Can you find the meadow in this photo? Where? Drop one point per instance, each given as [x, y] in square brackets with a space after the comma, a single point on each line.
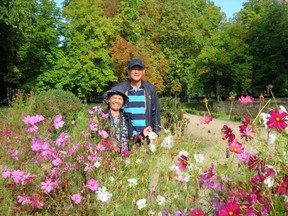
[68, 165]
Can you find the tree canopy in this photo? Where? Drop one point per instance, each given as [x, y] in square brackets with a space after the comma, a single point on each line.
[188, 46]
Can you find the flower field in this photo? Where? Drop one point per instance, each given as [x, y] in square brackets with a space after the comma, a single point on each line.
[49, 168]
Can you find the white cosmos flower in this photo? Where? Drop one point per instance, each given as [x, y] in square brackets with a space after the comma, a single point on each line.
[172, 167]
[139, 161]
[183, 152]
[160, 200]
[152, 135]
[199, 158]
[152, 147]
[97, 164]
[103, 195]
[264, 118]
[272, 137]
[111, 178]
[127, 161]
[132, 182]
[269, 181]
[167, 142]
[186, 177]
[142, 203]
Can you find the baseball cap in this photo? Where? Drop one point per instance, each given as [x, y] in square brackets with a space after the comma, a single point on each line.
[136, 62]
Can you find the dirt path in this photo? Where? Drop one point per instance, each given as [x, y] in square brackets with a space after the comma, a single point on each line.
[211, 135]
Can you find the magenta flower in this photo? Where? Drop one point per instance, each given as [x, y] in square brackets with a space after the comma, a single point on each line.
[277, 120]
[228, 134]
[236, 147]
[246, 100]
[76, 198]
[206, 119]
[230, 208]
[103, 133]
[196, 212]
[92, 184]
[58, 123]
[282, 186]
[125, 153]
[182, 162]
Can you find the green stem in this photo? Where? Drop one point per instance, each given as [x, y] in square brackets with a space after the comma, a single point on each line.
[261, 110]
[231, 107]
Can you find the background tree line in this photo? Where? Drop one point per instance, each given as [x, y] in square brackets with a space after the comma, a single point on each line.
[188, 46]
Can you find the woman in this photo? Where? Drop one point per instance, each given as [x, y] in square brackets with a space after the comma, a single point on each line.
[121, 127]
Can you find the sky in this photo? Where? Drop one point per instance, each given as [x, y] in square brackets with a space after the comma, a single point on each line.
[229, 7]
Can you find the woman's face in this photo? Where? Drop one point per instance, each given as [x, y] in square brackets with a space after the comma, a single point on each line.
[116, 102]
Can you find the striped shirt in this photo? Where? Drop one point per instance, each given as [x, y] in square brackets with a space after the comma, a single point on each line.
[136, 107]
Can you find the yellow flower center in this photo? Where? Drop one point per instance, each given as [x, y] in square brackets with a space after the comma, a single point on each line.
[230, 212]
[277, 119]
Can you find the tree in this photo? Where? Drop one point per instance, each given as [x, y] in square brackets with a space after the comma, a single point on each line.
[85, 69]
[268, 38]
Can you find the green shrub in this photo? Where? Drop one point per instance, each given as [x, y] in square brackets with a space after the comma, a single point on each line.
[56, 101]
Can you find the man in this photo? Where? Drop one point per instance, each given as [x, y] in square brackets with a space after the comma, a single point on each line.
[143, 102]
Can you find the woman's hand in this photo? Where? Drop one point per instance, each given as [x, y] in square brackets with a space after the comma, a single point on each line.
[147, 131]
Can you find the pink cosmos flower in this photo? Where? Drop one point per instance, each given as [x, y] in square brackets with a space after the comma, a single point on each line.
[31, 128]
[14, 154]
[246, 100]
[36, 201]
[36, 145]
[60, 140]
[93, 127]
[236, 147]
[92, 184]
[182, 162]
[23, 199]
[17, 175]
[29, 120]
[230, 208]
[244, 156]
[103, 133]
[57, 161]
[76, 198]
[48, 185]
[6, 173]
[206, 119]
[90, 112]
[196, 212]
[58, 123]
[277, 119]
[208, 174]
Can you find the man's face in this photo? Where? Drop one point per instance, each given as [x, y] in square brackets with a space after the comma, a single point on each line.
[136, 73]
